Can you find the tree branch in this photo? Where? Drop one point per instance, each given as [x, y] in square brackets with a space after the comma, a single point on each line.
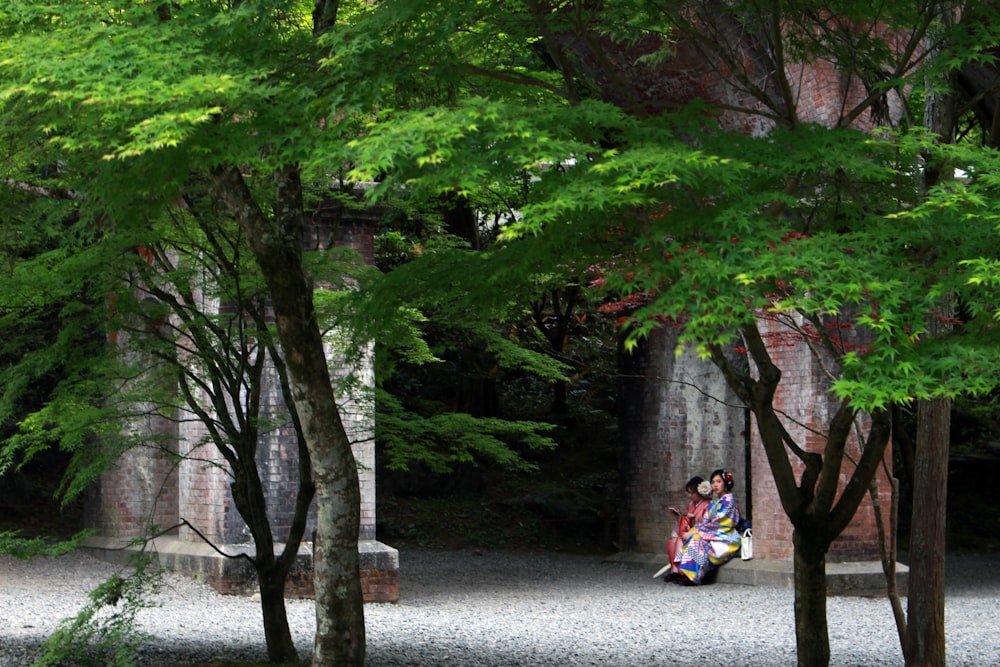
[44, 191]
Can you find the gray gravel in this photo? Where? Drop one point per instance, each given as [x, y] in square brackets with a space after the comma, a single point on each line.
[459, 608]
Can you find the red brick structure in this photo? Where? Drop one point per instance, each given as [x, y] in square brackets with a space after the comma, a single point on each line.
[152, 490]
[667, 435]
[678, 419]
[128, 502]
[806, 405]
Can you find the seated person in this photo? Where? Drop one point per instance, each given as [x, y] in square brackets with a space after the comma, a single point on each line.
[700, 493]
[714, 539]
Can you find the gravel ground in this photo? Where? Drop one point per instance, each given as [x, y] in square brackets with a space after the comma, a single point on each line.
[464, 609]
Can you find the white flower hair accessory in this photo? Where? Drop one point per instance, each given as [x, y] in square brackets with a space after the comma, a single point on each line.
[705, 489]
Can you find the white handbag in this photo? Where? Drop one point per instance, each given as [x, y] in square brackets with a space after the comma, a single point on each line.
[746, 544]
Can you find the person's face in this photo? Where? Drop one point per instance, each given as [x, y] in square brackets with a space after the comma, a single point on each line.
[718, 486]
[693, 495]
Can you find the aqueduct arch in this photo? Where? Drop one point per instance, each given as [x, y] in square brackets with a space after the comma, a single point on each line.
[680, 417]
[152, 487]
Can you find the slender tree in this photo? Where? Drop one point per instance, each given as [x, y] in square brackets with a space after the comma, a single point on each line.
[172, 91]
[219, 363]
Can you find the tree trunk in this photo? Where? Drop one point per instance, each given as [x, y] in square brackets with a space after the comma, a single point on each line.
[280, 647]
[271, 575]
[277, 246]
[811, 633]
[925, 640]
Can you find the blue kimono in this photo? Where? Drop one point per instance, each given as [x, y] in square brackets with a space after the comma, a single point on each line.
[715, 540]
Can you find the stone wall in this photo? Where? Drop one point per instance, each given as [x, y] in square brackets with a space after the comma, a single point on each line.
[150, 487]
[678, 419]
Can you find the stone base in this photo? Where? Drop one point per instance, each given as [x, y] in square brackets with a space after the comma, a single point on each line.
[861, 578]
[234, 573]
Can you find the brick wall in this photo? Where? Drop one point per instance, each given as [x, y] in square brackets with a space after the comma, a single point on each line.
[678, 419]
[380, 585]
[356, 404]
[147, 487]
[378, 566]
[624, 75]
[660, 428]
[805, 406]
[278, 461]
[140, 493]
[376, 585]
[378, 570]
[204, 498]
[333, 224]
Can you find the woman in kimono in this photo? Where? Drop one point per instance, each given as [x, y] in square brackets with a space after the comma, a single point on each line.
[714, 539]
[700, 494]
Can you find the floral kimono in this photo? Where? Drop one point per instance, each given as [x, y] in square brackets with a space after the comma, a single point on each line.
[714, 541]
[675, 543]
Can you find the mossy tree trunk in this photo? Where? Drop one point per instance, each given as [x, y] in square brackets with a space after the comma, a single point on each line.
[277, 245]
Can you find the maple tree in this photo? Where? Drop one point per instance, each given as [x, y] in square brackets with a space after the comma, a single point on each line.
[719, 206]
[727, 211]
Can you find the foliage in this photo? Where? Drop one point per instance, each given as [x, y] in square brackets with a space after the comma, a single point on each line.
[105, 631]
[60, 383]
[685, 200]
[407, 439]
[707, 214]
[719, 223]
[13, 544]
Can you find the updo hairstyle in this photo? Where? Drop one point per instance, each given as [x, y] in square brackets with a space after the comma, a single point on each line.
[727, 477]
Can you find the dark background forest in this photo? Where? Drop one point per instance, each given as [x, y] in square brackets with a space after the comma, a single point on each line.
[568, 499]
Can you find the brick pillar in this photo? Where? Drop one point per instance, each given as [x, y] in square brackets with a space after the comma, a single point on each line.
[140, 491]
[678, 419]
[356, 405]
[138, 495]
[150, 488]
[204, 498]
[805, 406]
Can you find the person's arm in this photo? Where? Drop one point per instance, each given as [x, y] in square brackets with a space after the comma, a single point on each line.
[690, 512]
[724, 519]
